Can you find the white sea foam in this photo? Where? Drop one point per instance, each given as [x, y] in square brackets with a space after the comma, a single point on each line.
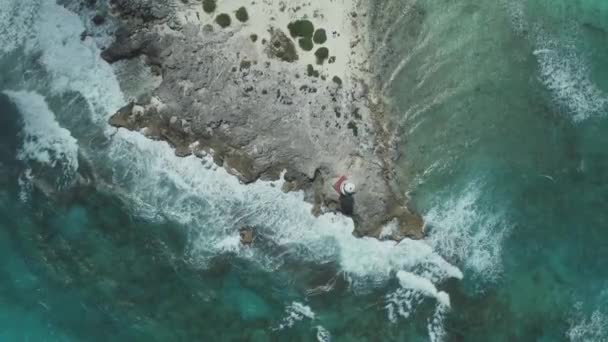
[435, 325]
[211, 202]
[75, 65]
[25, 185]
[404, 301]
[423, 285]
[565, 73]
[563, 70]
[44, 140]
[16, 18]
[465, 233]
[589, 329]
[208, 201]
[295, 312]
[516, 12]
[323, 334]
[214, 204]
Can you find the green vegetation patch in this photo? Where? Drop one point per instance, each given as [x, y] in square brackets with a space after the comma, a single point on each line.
[301, 28]
[209, 6]
[223, 20]
[245, 64]
[319, 37]
[337, 80]
[306, 44]
[254, 37]
[353, 127]
[321, 54]
[311, 72]
[242, 15]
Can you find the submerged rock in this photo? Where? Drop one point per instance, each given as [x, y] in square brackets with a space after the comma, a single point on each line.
[247, 235]
[98, 19]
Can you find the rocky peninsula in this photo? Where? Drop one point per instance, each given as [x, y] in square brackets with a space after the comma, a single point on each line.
[269, 89]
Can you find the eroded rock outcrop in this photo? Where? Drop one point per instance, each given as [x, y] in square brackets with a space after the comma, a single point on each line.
[264, 105]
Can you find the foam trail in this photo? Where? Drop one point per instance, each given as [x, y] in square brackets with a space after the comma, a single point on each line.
[322, 334]
[414, 288]
[75, 65]
[562, 69]
[435, 324]
[588, 328]
[295, 313]
[25, 185]
[459, 231]
[422, 285]
[566, 75]
[209, 202]
[44, 140]
[402, 303]
[216, 204]
[16, 18]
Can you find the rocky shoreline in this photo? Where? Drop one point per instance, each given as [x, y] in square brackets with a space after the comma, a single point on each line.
[268, 89]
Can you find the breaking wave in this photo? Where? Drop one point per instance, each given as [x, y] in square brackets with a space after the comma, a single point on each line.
[215, 205]
[294, 313]
[209, 202]
[567, 76]
[74, 64]
[465, 234]
[45, 142]
[563, 70]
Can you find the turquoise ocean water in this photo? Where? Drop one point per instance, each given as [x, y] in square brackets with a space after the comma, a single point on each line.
[502, 106]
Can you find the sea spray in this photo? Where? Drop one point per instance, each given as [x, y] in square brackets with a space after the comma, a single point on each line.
[74, 64]
[566, 74]
[45, 142]
[562, 67]
[435, 325]
[180, 189]
[161, 185]
[323, 335]
[402, 303]
[461, 232]
[295, 312]
[424, 286]
[209, 202]
[592, 328]
[16, 20]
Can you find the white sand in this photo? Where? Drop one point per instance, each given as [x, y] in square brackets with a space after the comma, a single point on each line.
[345, 33]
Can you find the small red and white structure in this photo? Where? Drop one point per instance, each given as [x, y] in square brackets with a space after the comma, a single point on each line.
[344, 187]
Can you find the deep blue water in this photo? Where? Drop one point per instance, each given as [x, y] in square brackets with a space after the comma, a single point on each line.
[108, 236]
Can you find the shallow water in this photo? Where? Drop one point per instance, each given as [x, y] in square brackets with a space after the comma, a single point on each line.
[108, 236]
[504, 113]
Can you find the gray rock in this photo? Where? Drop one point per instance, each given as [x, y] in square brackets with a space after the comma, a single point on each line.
[261, 117]
[281, 46]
